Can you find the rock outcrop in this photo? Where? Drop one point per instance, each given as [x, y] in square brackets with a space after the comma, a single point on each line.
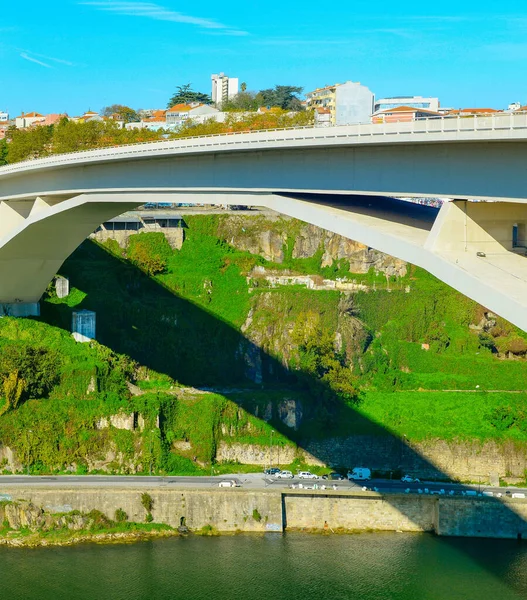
[269, 237]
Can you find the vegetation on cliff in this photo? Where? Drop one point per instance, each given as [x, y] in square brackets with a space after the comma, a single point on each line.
[24, 524]
[192, 354]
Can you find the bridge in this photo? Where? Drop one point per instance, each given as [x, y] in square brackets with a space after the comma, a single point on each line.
[337, 178]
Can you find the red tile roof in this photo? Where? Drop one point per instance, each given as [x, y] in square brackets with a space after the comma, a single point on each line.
[406, 109]
[181, 108]
[30, 115]
[473, 111]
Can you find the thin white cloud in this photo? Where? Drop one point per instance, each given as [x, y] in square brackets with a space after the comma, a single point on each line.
[57, 60]
[34, 60]
[35, 56]
[149, 10]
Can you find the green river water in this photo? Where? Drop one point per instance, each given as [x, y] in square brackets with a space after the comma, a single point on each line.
[292, 566]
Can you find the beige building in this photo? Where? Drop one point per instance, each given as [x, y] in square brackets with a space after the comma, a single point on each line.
[347, 103]
[324, 98]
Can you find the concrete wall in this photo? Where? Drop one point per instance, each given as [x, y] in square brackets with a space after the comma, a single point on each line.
[359, 512]
[174, 235]
[482, 517]
[224, 509]
[232, 510]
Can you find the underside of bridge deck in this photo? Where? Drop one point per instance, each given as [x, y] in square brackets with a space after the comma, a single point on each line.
[476, 248]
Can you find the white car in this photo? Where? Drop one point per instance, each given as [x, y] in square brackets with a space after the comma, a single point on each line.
[228, 483]
[284, 475]
[307, 475]
[409, 479]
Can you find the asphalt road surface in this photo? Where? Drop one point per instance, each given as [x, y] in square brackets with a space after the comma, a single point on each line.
[248, 481]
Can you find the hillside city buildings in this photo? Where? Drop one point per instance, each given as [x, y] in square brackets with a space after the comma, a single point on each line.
[224, 88]
[341, 104]
[337, 104]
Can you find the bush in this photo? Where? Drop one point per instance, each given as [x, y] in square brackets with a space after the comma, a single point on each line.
[120, 516]
[150, 252]
[514, 344]
[147, 502]
[502, 418]
[100, 520]
[38, 367]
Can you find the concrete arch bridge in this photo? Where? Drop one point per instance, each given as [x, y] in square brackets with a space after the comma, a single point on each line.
[338, 178]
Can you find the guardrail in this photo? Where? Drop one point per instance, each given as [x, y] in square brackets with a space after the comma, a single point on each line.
[434, 125]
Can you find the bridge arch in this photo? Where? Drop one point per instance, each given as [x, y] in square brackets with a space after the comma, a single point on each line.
[334, 178]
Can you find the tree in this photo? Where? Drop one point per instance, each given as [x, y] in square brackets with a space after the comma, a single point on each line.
[150, 252]
[185, 95]
[246, 121]
[283, 96]
[243, 101]
[69, 136]
[28, 372]
[125, 113]
[3, 152]
[29, 143]
[243, 87]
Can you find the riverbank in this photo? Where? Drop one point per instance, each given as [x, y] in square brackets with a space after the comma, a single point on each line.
[239, 510]
[38, 539]
[24, 523]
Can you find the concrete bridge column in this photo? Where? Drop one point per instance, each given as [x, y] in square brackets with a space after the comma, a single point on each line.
[484, 227]
[36, 237]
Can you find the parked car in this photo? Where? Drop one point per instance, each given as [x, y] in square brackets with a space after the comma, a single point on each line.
[228, 483]
[409, 479]
[285, 475]
[272, 471]
[359, 474]
[334, 476]
[307, 475]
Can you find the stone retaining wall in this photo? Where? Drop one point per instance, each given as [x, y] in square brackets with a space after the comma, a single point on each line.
[238, 509]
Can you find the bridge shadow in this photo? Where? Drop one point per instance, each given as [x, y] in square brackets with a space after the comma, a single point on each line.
[394, 210]
[139, 317]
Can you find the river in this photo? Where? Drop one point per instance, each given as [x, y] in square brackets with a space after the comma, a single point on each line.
[371, 566]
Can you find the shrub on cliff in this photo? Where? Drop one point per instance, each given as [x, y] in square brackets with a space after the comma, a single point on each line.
[27, 372]
[150, 252]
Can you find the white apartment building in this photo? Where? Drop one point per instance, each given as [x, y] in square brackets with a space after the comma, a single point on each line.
[180, 113]
[223, 88]
[27, 119]
[410, 101]
[4, 116]
[347, 103]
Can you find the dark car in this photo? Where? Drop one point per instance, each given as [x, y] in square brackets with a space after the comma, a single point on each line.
[272, 471]
[336, 477]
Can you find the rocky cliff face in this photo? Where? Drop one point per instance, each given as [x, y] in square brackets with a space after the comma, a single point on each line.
[22, 514]
[272, 325]
[270, 236]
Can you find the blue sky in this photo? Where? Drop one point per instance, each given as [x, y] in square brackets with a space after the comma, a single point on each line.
[68, 55]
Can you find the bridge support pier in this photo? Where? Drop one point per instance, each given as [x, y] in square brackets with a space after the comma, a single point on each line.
[484, 227]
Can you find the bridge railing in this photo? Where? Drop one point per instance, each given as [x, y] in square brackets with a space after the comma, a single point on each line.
[357, 131]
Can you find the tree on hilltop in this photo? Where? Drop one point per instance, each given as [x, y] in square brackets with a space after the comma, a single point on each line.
[184, 94]
[3, 152]
[283, 96]
[125, 113]
[244, 100]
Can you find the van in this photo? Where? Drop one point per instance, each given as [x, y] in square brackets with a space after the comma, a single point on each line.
[359, 474]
